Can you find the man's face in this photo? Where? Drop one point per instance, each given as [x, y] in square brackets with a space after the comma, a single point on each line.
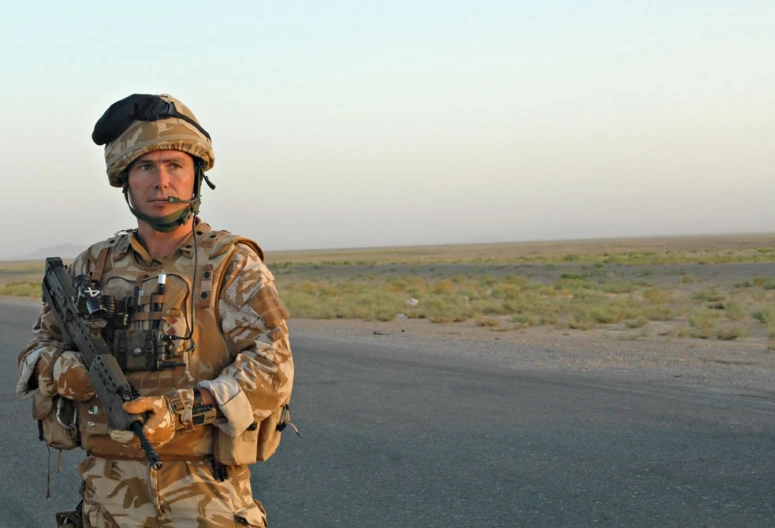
[158, 175]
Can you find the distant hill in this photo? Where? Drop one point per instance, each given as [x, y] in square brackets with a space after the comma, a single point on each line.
[65, 251]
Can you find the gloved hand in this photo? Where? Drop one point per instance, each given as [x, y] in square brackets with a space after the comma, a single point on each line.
[159, 428]
[72, 378]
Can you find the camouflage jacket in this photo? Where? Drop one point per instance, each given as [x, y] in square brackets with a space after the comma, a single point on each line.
[241, 355]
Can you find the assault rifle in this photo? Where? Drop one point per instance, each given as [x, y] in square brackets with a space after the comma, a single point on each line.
[77, 305]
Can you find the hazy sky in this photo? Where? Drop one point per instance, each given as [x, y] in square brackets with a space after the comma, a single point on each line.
[344, 123]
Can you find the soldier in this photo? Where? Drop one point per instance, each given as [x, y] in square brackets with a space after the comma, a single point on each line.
[211, 407]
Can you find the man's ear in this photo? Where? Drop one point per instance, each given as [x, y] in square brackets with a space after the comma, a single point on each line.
[123, 177]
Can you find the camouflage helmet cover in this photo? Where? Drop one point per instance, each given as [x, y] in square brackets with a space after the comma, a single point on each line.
[142, 137]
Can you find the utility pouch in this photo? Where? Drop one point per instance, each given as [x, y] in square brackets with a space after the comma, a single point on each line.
[256, 444]
[238, 451]
[69, 519]
[269, 432]
[57, 421]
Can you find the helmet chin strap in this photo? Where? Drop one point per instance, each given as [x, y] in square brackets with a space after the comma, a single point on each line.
[172, 221]
[167, 223]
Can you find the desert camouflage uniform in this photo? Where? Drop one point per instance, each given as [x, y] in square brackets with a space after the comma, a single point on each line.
[242, 357]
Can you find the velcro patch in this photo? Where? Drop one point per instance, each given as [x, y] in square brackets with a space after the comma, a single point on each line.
[268, 305]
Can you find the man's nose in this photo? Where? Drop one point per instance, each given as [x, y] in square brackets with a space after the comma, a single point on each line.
[162, 177]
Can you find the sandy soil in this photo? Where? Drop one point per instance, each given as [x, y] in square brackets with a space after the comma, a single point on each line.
[744, 366]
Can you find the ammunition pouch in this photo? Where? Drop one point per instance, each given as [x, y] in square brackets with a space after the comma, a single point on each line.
[269, 432]
[256, 444]
[57, 421]
[240, 451]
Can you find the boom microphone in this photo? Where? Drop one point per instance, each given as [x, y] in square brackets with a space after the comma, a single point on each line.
[175, 199]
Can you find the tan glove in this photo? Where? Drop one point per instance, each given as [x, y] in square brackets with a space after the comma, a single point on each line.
[159, 427]
[72, 378]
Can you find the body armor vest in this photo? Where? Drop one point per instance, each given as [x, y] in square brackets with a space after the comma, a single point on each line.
[157, 339]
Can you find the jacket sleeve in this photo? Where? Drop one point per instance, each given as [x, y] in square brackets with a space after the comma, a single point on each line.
[46, 345]
[260, 378]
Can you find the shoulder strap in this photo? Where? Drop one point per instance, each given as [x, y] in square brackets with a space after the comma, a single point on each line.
[216, 245]
[99, 267]
[203, 284]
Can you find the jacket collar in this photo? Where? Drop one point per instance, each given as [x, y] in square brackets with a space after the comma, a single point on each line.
[129, 240]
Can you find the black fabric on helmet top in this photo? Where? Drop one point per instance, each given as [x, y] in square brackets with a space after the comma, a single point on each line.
[136, 107]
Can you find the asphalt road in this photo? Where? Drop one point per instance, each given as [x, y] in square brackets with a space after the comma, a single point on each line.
[397, 436]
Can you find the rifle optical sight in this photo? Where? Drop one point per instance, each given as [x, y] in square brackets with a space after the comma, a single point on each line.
[88, 297]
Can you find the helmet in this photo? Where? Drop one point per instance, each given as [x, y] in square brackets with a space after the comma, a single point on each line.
[142, 123]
